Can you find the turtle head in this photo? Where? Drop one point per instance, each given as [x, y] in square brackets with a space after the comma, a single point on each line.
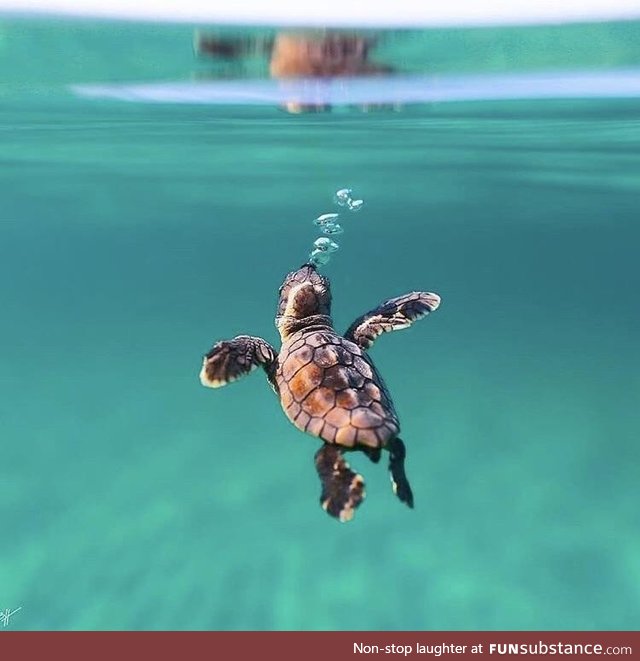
[304, 296]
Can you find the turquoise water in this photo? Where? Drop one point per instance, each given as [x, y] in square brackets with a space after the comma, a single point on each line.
[132, 236]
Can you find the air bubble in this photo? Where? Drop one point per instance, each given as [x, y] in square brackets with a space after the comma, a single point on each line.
[326, 218]
[319, 257]
[355, 205]
[326, 245]
[343, 196]
[332, 228]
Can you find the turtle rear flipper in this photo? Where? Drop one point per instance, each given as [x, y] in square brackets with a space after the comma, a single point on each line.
[399, 481]
[230, 359]
[373, 453]
[342, 489]
[394, 314]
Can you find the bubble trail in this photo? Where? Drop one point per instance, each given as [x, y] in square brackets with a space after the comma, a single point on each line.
[328, 224]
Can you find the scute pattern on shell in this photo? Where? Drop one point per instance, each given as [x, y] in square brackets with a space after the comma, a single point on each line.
[329, 388]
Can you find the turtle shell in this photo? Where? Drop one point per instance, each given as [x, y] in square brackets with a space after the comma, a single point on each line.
[329, 388]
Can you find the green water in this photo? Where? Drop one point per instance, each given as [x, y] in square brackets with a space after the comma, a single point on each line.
[133, 236]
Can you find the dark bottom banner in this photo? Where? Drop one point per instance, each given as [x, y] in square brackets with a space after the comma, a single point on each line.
[318, 646]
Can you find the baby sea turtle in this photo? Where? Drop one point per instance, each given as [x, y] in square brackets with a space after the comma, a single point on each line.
[327, 383]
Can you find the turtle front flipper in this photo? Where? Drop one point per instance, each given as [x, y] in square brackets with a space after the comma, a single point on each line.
[230, 359]
[342, 489]
[394, 314]
[399, 481]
